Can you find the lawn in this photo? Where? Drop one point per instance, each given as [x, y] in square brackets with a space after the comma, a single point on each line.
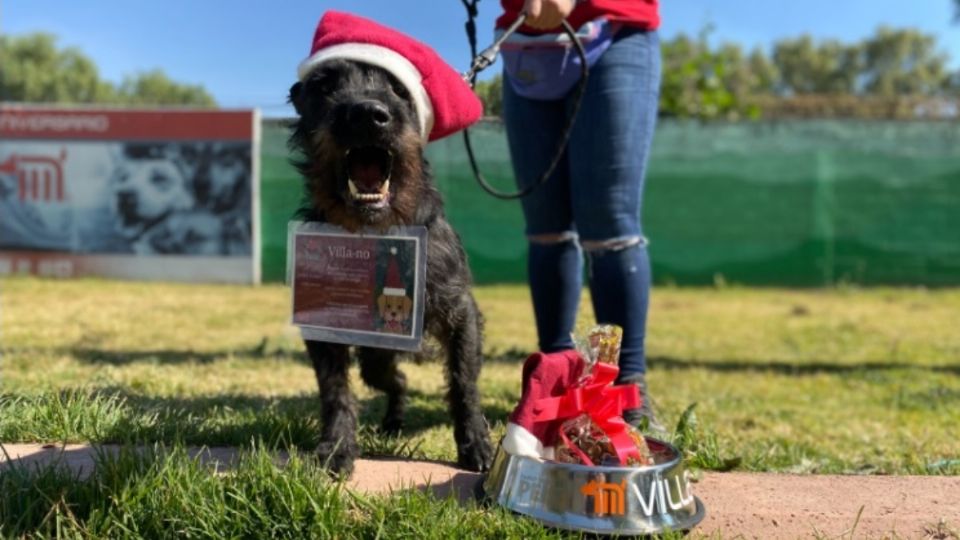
[841, 381]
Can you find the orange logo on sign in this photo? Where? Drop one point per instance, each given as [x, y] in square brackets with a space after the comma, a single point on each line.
[38, 177]
[607, 498]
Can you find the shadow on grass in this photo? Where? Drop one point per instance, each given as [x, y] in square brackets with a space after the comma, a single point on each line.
[117, 415]
[509, 356]
[174, 356]
[297, 353]
[790, 368]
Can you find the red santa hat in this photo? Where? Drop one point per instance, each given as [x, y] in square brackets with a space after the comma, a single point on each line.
[393, 283]
[445, 103]
[544, 376]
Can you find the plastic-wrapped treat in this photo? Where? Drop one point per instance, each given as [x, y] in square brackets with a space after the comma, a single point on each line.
[605, 341]
[583, 438]
[582, 434]
[600, 344]
[646, 456]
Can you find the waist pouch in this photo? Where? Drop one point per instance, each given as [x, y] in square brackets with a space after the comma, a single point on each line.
[547, 67]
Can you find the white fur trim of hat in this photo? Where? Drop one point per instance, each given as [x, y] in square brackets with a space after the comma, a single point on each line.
[388, 59]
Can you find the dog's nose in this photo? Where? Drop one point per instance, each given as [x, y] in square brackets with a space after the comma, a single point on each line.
[126, 198]
[370, 113]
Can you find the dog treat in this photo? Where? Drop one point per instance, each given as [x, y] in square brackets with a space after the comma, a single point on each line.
[600, 344]
[590, 439]
[605, 340]
[646, 456]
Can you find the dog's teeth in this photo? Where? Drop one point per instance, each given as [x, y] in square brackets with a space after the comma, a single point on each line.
[357, 195]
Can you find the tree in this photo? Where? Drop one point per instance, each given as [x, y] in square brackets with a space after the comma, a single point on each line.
[806, 67]
[764, 72]
[699, 82]
[34, 69]
[903, 62]
[155, 88]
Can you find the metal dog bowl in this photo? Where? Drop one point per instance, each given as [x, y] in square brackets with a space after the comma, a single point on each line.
[600, 500]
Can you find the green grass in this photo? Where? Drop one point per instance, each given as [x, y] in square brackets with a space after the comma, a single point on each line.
[836, 381]
[166, 494]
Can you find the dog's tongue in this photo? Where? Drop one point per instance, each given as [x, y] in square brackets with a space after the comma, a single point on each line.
[366, 176]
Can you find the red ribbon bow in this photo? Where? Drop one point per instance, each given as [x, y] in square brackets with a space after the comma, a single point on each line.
[603, 402]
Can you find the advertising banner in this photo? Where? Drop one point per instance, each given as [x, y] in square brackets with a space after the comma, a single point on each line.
[137, 194]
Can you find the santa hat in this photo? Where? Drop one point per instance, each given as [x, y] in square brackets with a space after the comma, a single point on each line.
[544, 376]
[445, 103]
[393, 284]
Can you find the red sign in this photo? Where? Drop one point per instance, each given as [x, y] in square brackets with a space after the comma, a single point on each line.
[20, 122]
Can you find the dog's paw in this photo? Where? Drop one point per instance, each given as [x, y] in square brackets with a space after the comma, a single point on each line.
[391, 427]
[476, 455]
[337, 457]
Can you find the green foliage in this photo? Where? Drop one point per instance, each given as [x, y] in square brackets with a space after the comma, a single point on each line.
[155, 88]
[701, 82]
[163, 492]
[33, 69]
[491, 94]
[889, 63]
[807, 67]
[903, 62]
[700, 447]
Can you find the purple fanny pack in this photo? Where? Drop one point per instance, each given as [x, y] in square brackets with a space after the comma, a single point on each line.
[546, 67]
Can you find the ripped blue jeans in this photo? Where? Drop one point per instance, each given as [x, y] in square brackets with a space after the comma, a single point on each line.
[591, 205]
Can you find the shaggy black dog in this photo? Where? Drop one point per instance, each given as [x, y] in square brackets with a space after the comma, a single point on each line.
[363, 167]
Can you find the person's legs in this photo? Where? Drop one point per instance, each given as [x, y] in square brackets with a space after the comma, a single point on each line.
[554, 263]
[608, 150]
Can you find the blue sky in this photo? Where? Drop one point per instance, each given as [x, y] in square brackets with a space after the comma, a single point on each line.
[245, 52]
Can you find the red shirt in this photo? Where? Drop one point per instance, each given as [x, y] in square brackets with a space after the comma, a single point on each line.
[640, 13]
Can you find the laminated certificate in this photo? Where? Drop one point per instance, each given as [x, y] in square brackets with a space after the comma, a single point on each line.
[358, 288]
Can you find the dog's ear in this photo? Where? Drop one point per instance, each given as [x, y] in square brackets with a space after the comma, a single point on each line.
[382, 303]
[296, 97]
[407, 305]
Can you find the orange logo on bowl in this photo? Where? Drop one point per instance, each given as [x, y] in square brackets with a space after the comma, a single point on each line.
[608, 499]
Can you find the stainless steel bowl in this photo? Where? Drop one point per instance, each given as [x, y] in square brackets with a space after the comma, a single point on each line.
[602, 500]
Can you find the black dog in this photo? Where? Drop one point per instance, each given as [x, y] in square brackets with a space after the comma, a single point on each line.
[362, 161]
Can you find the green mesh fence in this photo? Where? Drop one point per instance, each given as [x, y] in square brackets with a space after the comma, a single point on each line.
[800, 203]
[281, 191]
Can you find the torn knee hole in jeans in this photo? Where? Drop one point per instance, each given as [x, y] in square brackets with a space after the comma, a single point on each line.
[613, 244]
[552, 238]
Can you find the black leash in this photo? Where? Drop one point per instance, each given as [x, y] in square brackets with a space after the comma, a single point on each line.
[486, 59]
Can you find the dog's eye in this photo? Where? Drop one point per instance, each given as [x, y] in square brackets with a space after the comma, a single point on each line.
[161, 181]
[400, 90]
[322, 86]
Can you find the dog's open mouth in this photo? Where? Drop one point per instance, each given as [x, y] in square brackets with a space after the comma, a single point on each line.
[368, 175]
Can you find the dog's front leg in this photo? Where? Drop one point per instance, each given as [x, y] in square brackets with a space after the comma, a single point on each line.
[378, 368]
[465, 357]
[338, 440]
